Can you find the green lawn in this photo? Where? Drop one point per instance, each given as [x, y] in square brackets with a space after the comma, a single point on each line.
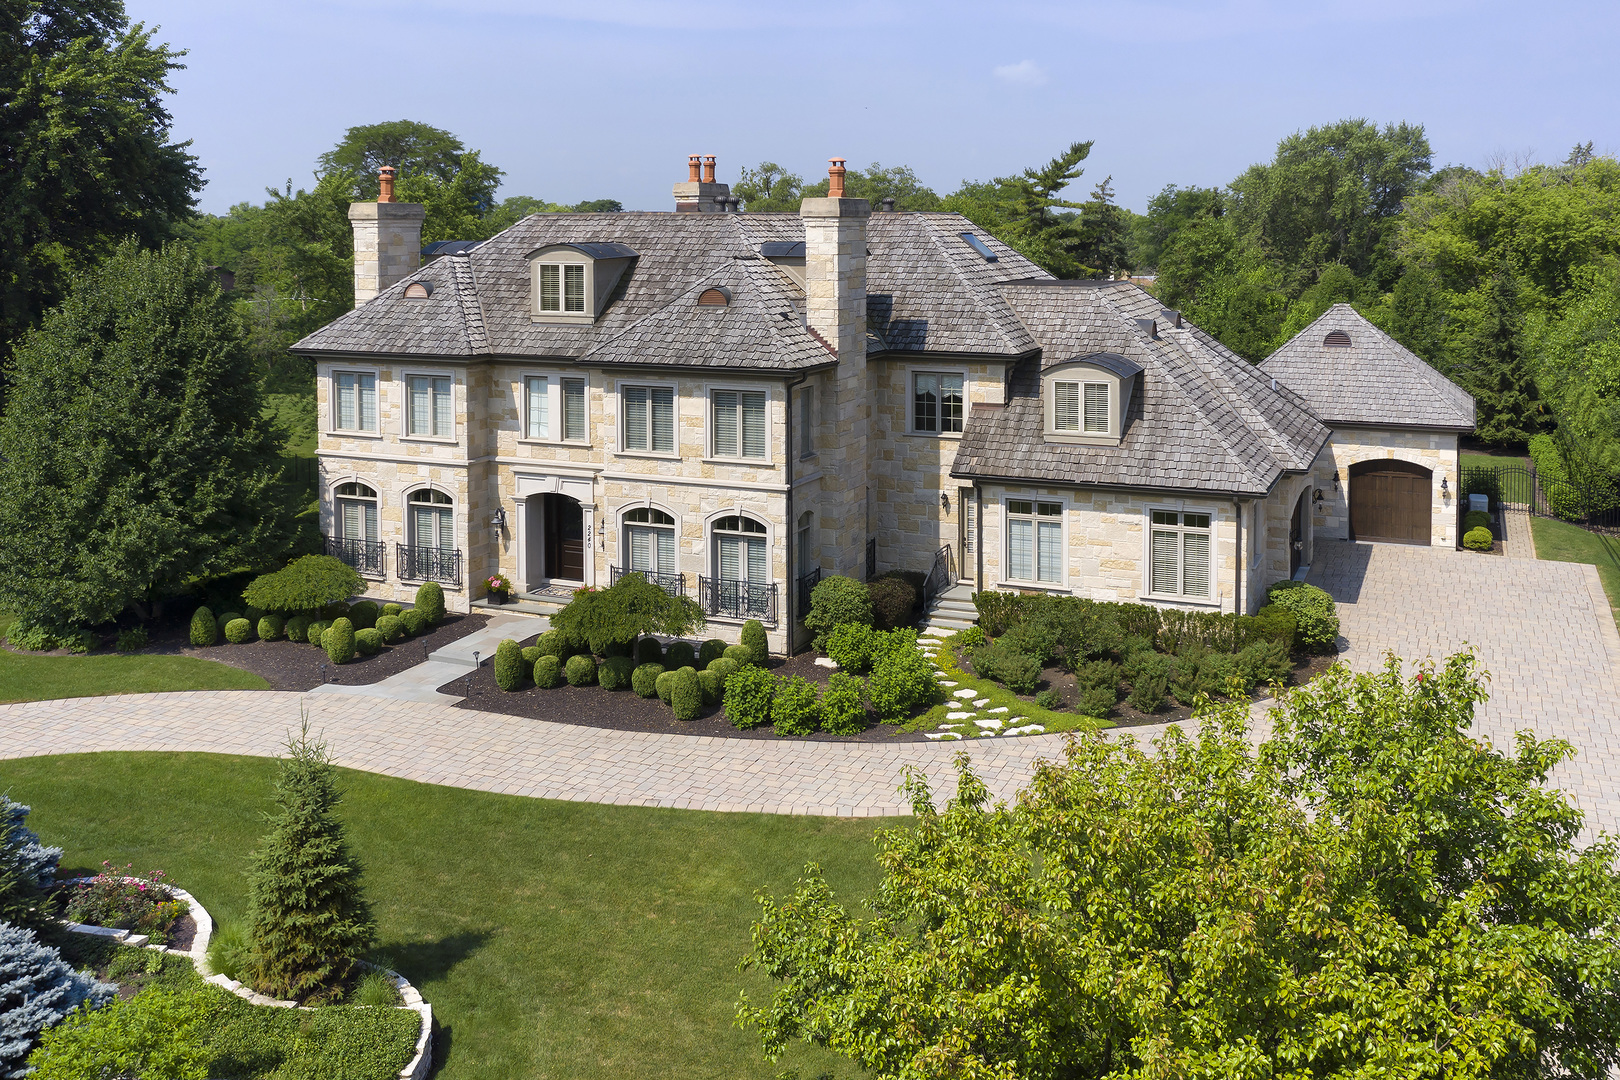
[554, 940]
[36, 678]
[1517, 488]
[1563, 542]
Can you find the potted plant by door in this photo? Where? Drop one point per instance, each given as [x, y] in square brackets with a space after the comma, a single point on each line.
[500, 589]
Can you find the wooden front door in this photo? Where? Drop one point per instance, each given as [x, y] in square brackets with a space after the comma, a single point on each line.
[565, 538]
[1390, 502]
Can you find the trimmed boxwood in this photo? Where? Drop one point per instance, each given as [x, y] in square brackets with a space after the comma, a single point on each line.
[364, 613]
[298, 627]
[1479, 539]
[740, 653]
[644, 679]
[531, 653]
[339, 641]
[391, 629]
[712, 685]
[1316, 619]
[712, 650]
[367, 641]
[686, 694]
[648, 651]
[581, 670]
[253, 614]
[749, 692]
[414, 622]
[226, 618]
[554, 643]
[508, 664]
[314, 632]
[204, 630]
[238, 631]
[614, 672]
[1474, 519]
[271, 627]
[723, 667]
[835, 601]
[753, 638]
[665, 685]
[892, 599]
[548, 672]
[395, 610]
[430, 601]
[680, 654]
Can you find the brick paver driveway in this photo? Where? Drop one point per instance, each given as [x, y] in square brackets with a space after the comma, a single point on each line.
[1542, 630]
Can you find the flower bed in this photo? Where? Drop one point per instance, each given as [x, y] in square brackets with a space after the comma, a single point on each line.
[147, 907]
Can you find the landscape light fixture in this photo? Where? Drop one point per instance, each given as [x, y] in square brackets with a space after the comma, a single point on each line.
[323, 674]
[499, 520]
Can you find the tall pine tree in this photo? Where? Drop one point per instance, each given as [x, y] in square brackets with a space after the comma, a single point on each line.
[1489, 363]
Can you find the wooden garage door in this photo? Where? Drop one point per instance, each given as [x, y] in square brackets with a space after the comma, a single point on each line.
[1389, 501]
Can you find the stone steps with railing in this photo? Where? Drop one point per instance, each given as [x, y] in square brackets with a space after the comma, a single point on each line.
[952, 610]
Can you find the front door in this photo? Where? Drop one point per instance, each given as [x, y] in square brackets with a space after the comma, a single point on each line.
[966, 511]
[564, 538]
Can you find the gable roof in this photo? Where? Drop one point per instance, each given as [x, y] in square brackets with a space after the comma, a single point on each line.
[1204, 419]
[1375, 381]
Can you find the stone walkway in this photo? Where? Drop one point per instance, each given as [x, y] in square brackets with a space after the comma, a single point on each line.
[422, 682]
[1518, 542]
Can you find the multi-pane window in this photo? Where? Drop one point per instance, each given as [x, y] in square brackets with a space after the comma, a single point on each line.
[1080, 407]
[357, 512]
[807, 533]
[1179, 554]
[537, 407]
[739, 423]
[429, 409]
[573, 412]
[807, 422]
[740, 550]
[936, 402]
[432, 524]
[562, 287]
[356, 400]
[649, 418]
[650, 536]
[1034, 540]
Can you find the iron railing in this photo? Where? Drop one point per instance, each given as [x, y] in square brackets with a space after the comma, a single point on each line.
[807, 585]
[939, 576]
[1593, 502]
[738, 599]
[428, 564]
[366, 556]
[673, 584]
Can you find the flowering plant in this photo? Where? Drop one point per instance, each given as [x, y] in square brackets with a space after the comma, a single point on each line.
[123, 901]
[498, 583]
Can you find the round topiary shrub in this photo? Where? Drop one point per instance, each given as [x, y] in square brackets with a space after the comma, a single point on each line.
[581, 670]
[795, 710]
[665, 685]
[204, 630]
[298, 628]
[618, 648]
[712, 650]
[531, 653]
[1479, 539]
[740, 653]
[723, 667]
[364, 614]
[332, 612]
[749, 692]
[271, 627]
[509, 673]
[753, 638]
[553, 643]
[680, 654]
[313, 632]
[238, 631]
[395, 610]
[391, 629]
[548, 672]
[339, 641]
[1474, 519]
[1316, 619]
[842, 711]
[253, 614]
[430, 602]
[614, 672]
[227, 618]
[414, 622]
[686, 694]
[712, 685]
[835, 601]
[644, 679]
[368, 642]
[649, 651]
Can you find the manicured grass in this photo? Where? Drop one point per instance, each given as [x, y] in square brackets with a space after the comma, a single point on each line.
[36, 678]
[1563, 542]
[553, 940]
[1517, 489]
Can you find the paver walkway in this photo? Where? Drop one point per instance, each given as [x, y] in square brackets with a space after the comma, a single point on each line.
[421, 683]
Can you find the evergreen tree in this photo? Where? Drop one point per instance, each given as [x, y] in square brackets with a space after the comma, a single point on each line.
[1104, 232]
[26, 867]
[1489, 363]
[308, 919]
[37, 990]
[1025, 213]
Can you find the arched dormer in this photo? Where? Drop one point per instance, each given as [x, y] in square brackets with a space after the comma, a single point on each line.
[1085, 400]
[570, 283]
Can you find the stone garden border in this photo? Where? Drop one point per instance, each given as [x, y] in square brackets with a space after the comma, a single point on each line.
[416, 1069]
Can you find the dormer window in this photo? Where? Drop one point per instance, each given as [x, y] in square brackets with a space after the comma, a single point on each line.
[1085, 400]
[1080, 407]
[572, 282]
[562, 287]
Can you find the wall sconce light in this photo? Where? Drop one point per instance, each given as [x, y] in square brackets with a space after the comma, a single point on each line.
[945, 501]
[499, 520]
[1318, 495]
[1445, 492]
[1335, 479]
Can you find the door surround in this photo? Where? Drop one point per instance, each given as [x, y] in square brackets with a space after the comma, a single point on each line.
[531, 524]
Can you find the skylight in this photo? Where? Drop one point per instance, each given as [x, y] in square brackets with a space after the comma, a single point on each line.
[980, 246]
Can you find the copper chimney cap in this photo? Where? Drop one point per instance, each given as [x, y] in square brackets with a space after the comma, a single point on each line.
[835, 178]
[692, 166]
[385, 183]
[708, 169]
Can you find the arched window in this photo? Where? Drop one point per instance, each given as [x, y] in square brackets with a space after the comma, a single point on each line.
[1337, 339]
[742, 569]
[357, 512]
[432, 523]
[740, 525]
[649, 537]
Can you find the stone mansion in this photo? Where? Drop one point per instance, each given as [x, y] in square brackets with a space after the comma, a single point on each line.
[735, 404]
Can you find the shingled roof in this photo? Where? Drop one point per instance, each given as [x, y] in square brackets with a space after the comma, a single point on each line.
[1204, 420]
[927, 291]
[1370, 379]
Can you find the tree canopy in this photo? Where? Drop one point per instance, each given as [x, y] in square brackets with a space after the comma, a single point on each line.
[414, 148]
[618, 615]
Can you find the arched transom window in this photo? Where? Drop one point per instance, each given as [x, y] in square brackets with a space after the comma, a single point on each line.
[357, 512]
[649, 537]
[432, 522]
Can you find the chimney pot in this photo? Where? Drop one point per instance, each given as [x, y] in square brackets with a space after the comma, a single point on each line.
[385, 183]
[694, 162]
[887, 202]
[708, 169]
[835, 178]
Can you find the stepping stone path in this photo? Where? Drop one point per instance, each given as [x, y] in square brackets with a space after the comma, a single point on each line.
[993, 723]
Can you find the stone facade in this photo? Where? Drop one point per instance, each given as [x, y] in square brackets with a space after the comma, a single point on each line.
[387, 244]
[1434, 450]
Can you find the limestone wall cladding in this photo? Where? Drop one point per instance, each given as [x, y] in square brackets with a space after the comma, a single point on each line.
[1271, 563]
[1105, 544]
[1434, 450]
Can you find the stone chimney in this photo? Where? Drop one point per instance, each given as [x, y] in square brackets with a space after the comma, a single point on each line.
[835, 308]
[387, 239]
[700, 194]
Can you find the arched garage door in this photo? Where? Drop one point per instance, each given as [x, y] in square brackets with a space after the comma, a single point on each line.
[1389, 502]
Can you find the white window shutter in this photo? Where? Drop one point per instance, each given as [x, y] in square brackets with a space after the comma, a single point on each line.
[1066, 406]
[551, 288]
[371, 522]
[1164, 563]
[574, 409]
[574, 288]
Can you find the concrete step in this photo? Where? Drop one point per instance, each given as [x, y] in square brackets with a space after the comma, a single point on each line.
[956, 607]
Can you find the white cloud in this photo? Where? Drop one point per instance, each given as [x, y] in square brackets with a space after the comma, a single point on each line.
[1024, 73]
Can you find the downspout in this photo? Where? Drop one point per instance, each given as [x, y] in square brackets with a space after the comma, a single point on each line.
[978, 539]
[790, 601]
[1241, 559]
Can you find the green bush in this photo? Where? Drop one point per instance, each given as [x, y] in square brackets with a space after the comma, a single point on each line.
[238, 631]
[971, 638]
[430, 602]
[712, 650]
[364, 614]
[686, 694]
[226, 618]
[271, 627]
[796, 709]
[618, 648]
[313, 634]
[396, 610]
[509, 673]
[548, 673]
[850, 647]
[339, 641]
[740, 653]
[415, 623]
[749, 693]
[644, 680]
[837, 601]
[893, 599]
[531, 653]
[306, 584]
[581, 670]
[1222, 671]
[368, 642]
[680, 654]
[665, 685]
[1274, 623]
[1050, 700]
[253, 613]
[1475, 519]
[648, 650]
[298, 628]
[632, 607]
[391, 629]
[1482, 480]
[723, 668]
[842, 711]
[1098, 682]
[754, 640]
[614, 674]
[1150, 681]
[133, 639]
[1315, 617]
[333, 612]
[901, 681]
[554, 643]
[1265, 662]
[998, 611]
[1017, 671]
[1190, 676]
[204, 630]
[1479, 539]
[712, 685]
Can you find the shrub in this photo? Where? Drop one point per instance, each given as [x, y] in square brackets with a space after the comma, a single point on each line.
[712, 685]
[712, 650]
[1220, 671]
[580, 670]
[619, 648]
[754, 640]
[228, 950]
[1098, 682]
[26, 868]
[614, 674]
[686, 694]
[680, 654]
[238, 631]
[1316, 620]
[795, 710]
[1479, 539]
[430, 602]
[338, 641]
[368, 642]
[204, 630]
[723, 668]
[1036, 636]
[1189, 676]
[971, 638]
[748, 696]
[391, 629]
[554, 643]
[333, 612]
[1018, 672]
[1265, 662]
[1049, 699]
[131, 640]
[998, 611]
[632, 607]
[665, 685]
[395, 610]
[901, 680]
[548, 672]
[1275, 623]
[1475, 519]
[314, 631]
[740, 653]
[298, 627]
[509, 673]
[648, 650]
[644, 680]
[842, 711]
[850, 647]
[837, 601]
[893, 600]
[225, 619]
[271, 627]
[306, 584]
[253, 613]
[1481, 480]
[414, 622]
[364, 614]
[159, 1032]
[531, 653]
[40, 991]
[1150, 680]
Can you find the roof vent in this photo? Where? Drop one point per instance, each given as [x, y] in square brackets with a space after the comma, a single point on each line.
[1148, 327]
[1172, 316]
[980, 246]
[887, 202]
[716, 297]
[418, 290]
[1337, 339]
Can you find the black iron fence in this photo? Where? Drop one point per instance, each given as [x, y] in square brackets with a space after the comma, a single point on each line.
[807, 585]
[428, 564]
[738, 599]
[366, 556]
[673, 584]
[939, 576]
[1593, 504]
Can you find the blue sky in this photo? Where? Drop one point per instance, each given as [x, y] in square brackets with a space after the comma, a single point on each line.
[604, 99]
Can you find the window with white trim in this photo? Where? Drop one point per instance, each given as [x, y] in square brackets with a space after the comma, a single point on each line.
[807, 422]
[1179, 561]
[740, 552]
[649, 536]
[356, 400]
[432, 523]
[357, 512]
[936, 402]
[430, 407]
[649, 418]
[1034, 541]
[537, 407]
[1080, 408]
[562, 287]
[573, 410]
[739, 423]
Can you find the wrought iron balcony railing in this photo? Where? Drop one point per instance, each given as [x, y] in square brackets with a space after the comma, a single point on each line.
[738, 599]
[428, 564]
[673, 584]
[366, 556]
